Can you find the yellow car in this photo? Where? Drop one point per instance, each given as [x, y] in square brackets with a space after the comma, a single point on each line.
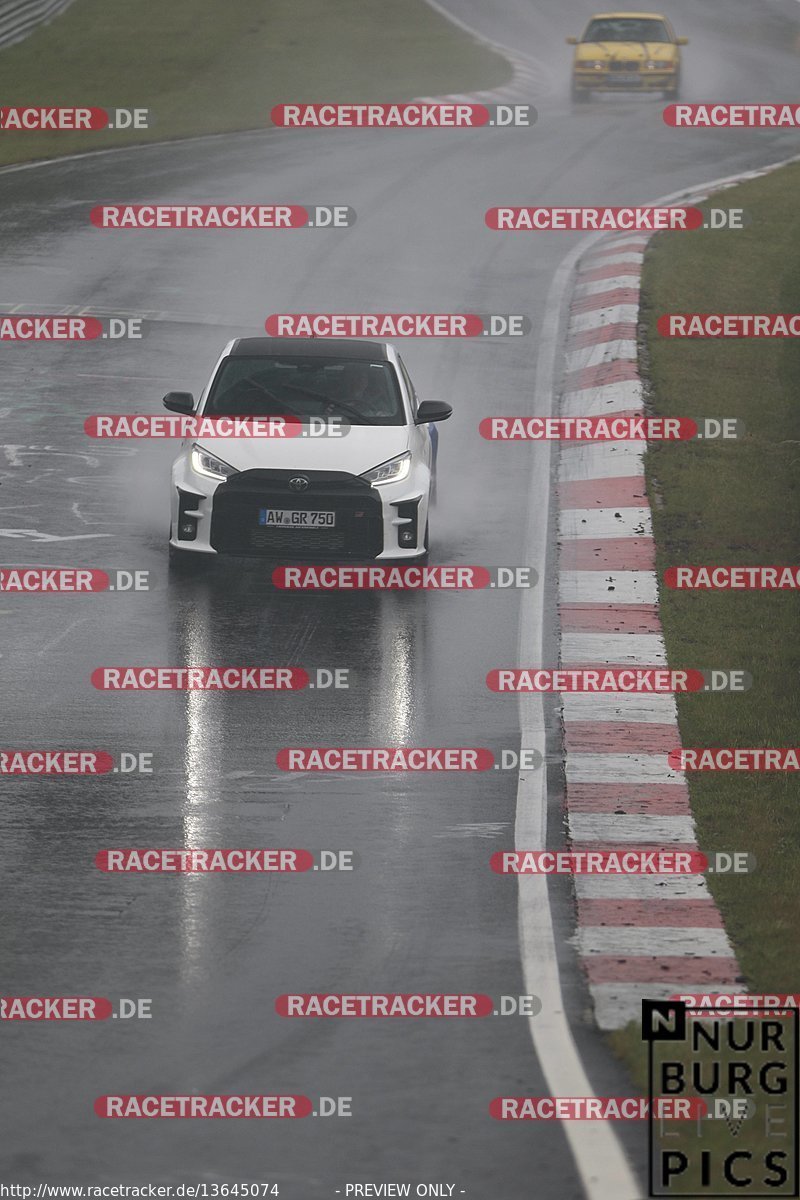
[627, 52]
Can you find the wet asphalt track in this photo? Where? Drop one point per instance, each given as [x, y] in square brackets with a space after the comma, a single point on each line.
[422, 912]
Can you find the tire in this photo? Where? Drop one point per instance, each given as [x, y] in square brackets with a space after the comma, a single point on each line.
[580, 95]
[673, 93]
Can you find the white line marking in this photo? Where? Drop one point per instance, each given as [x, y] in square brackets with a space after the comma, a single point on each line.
[64, 633]
[15, 168]
[34, 535]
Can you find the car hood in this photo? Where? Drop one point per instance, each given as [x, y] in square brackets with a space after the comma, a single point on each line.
[626, 51]
[361, 448]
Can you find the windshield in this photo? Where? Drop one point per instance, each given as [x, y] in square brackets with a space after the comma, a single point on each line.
[354, 391]
[626, 29]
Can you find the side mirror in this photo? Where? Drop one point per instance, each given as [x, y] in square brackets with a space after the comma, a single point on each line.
[433, 410]
[682, 41]
[571, 41]
[179, 402]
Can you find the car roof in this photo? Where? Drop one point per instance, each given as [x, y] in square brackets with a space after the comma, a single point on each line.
[602, 16]
[266, 347]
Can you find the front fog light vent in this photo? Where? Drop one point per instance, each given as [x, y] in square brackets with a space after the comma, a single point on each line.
[406, 521]
[188, 504]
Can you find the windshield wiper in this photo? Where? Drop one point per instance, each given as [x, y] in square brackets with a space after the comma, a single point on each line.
[328, 402]
[362, 420]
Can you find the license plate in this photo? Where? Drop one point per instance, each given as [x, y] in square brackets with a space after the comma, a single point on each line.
[625, 77]
[294, 518]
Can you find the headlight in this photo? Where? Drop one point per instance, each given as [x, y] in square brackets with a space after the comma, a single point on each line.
[655, 64]
[587, 65]
[389, 472]
[209, 465]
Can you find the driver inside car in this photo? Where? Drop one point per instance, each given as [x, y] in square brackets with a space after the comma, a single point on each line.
[364, 390]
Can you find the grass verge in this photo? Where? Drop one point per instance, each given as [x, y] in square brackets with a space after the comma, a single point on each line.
[738, 503]
[205, 69]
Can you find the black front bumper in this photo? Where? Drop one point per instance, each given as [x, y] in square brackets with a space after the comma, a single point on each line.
[358, 533]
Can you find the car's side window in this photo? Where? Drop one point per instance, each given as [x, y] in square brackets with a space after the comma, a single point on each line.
[409, 385]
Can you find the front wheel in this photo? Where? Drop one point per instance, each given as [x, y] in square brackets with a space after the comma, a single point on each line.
[673, 93]
[580, 95]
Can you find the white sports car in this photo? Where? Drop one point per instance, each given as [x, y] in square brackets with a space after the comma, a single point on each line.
[364, 495]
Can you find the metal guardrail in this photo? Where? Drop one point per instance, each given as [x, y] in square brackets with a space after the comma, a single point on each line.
[19, 18]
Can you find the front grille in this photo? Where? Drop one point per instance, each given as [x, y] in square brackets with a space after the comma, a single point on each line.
[618, 65]
[358, 533]
[288, 541]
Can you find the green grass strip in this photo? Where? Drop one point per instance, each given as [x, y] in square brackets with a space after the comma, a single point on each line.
[205, 68]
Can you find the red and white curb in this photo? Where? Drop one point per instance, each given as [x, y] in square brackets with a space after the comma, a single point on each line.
[530, 79]
[637, 935]
[530, 76]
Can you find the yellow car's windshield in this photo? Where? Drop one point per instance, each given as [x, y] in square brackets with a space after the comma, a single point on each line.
[626, 29]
